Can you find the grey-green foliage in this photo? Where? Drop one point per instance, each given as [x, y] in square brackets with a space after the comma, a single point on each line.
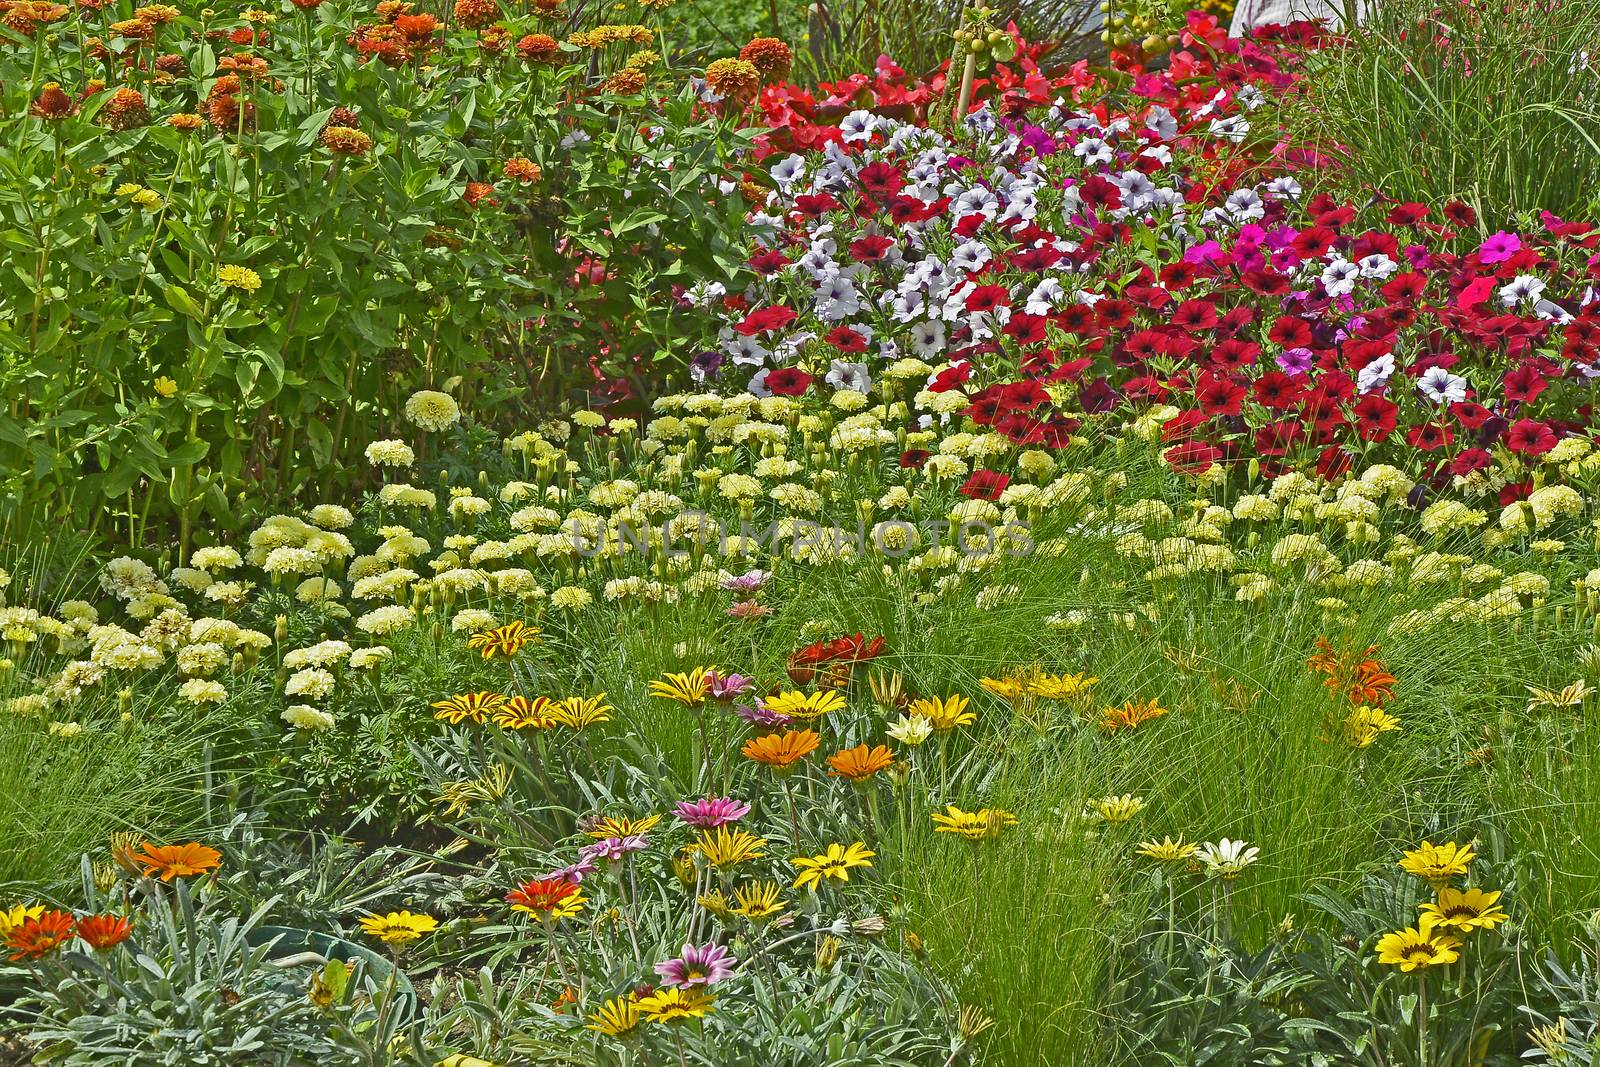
[196, 987]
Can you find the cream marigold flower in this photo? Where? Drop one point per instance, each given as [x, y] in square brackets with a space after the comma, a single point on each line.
[307, 718]
[432, 410]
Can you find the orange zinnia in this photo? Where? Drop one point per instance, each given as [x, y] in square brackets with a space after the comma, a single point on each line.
[178, 861]
[781, 751]
[860, 763]
[39, 936]
[104, 931]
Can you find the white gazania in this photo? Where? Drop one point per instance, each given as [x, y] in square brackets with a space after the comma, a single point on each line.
[911, 729]
[1227, 859]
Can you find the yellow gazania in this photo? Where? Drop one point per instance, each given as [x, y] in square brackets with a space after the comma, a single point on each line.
[1418, 947]
[616, 1017]
[1366, 724]
[758, 901]
[520, 713]
[715, 902]
[1167, 850]
[1038, 684]
[1130, 715]
[687, 689]
[676, 1005]
[16, 916]
[621, 826]
[1118, 809]
[835, 863]
[1570, 696]
[945, 713]
[398, 927]
[860, 763]
[1438, 864]
[1466, 910]
[1059, 686]
[576, 713]
[985, 824]
[804, 706]
[723, 847]
[464, 706]
[505, 640]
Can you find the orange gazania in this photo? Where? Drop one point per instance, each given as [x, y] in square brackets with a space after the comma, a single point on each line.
[1363, 681]
[39, 936]
[781, 751]
[104, 931]
[177, 861]
[1130, 715]
[474, 706]
[860, 763]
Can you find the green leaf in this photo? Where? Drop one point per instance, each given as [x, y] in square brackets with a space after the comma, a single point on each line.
[321, 441]
[181, 301]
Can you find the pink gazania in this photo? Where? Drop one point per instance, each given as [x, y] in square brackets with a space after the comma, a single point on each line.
[573, 872]
[712, 812]
[727, 686]
[614, 849]
[761, 715]
[748, 609]
[698, 965]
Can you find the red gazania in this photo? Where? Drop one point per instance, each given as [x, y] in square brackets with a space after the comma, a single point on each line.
[36, 938]
[840, 652]
[541, 896]
[104, 931]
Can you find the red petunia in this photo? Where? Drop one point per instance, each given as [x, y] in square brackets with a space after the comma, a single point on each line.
[789, 381]
[1376, 417]
[1219, 396]
[984, 484]
[773, 317]
[1430, 436]
[1192, 457]
[1530, 437]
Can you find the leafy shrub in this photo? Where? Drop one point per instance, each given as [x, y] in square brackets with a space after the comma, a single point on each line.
[234, 273]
